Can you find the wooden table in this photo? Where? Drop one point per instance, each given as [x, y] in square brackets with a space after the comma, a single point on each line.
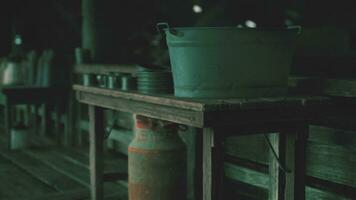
[29, 95]
[217, 119]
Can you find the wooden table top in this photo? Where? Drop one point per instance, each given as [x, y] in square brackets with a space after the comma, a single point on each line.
[199, 112]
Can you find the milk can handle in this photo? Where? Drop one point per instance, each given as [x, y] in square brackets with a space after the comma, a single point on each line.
[160, 28]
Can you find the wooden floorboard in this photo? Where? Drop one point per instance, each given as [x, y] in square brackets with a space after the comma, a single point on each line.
[50, 172]
[40, 171]
[16, 183]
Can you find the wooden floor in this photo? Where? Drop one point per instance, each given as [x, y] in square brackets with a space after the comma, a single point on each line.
[50, 172]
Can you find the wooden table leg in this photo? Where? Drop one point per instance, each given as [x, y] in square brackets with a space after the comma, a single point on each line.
[96, 140]
[276, 175]
[212, 165]
[8, 121]
[289, 182]
[197, 153]
[282, 170]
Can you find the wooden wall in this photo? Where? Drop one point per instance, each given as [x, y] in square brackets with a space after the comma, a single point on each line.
[331, 164]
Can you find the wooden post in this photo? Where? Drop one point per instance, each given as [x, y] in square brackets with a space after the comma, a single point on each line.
[212, 165]
[89, 32]
[193, 139]
[96, 139]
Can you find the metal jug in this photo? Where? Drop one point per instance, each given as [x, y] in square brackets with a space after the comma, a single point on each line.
[12, 74]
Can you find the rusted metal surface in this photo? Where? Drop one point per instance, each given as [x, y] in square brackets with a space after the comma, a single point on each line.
[157, 162]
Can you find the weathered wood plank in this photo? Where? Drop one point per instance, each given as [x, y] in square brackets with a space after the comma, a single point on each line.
[67, 195]
[193, 140]
[332, 136]
[188, 117]
[240, 190]
[291, 185]
[212, 165]
[250, 147]
[339, 87]
[317, 194]
[330, 153]
[16, 183]
[80, 157]
[41, 171]
[207, 104]
[157, 99]
[96, 140]
[208, 139]
[283, 172]
[275, 174]
[75, 172]
[246, 175]
[82, 194]
[332, 162]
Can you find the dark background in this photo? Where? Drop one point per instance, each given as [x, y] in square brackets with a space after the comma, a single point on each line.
[126, 28]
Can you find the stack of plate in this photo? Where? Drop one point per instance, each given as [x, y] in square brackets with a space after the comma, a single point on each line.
[154, 81]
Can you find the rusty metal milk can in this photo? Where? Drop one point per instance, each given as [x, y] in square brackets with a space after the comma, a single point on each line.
[157, 161]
